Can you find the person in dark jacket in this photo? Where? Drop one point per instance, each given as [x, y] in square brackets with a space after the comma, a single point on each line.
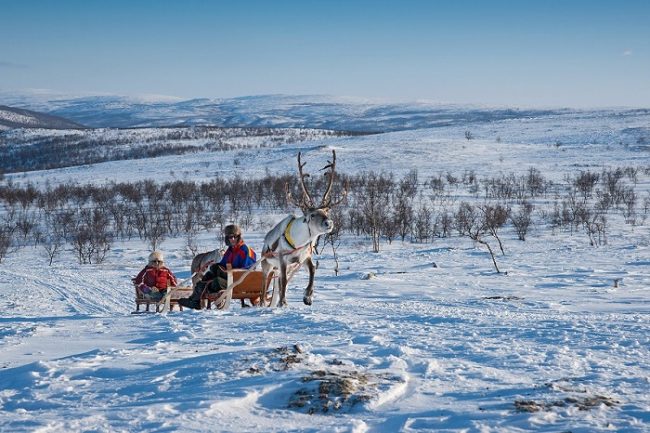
[155, 278]
[238, 255]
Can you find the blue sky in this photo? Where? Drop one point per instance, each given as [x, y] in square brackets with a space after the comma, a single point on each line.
[517, 53]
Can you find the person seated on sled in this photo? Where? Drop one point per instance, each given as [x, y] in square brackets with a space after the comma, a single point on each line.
[155, 278]
[238, 255]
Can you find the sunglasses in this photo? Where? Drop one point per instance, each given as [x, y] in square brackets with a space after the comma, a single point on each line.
[157, 261]
[231, 236]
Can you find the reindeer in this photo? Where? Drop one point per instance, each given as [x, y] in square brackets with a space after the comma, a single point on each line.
[290, 243]
[202, 261]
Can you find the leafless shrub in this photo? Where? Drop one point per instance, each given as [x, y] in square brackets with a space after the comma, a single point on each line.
[403, 216]
[402, 200]
[82, 245]
[156, 232]
[629, 200]
[355, 222]
[52, 244]
[53, 240]
[646, 206]
[612, 183]
[470, 222]
[373, 200]
[594, 220]
[119, 212]
[26, 225]
[334, 237]
[191, 246]
[522, 219]
[574, 211]
[452, 180]
[436, 184]
[469, 178]
[585, 183]
[64, 221]
[504, 188]
[494, 217]
[6, 241]
[26, 196]
[91, 239]
[443, 224]
[422, 229]
[632, 173]
[595, 227]
[535, 183]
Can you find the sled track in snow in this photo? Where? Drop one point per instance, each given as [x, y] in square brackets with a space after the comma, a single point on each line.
[69, 290]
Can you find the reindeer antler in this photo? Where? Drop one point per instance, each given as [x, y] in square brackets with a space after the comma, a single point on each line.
[306, 197]
[325, 202]
[300, 204]
[307, 202]
[343, 196]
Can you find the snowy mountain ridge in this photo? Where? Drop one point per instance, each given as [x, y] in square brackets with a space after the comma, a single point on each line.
[307, 111]
[11, 118]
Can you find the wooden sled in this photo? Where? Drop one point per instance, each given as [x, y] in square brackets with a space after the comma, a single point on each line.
[242, 284]
[176, 294]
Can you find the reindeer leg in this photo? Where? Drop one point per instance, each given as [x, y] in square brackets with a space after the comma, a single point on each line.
[266, 270]
[309, 290]
[276, 288]
[283, 284]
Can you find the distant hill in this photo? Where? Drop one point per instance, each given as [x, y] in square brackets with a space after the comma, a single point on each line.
[11, 118]
[27, 149]
[269, 111]
[321, 112]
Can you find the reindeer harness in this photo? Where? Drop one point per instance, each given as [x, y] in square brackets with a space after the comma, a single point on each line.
[287, 234]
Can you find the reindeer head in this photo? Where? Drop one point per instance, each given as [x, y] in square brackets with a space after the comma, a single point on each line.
[317, 216]
[318, 221]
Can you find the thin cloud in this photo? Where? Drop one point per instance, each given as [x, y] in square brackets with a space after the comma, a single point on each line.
[627, 52]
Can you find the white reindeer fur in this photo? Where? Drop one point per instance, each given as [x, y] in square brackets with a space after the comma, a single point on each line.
[280, 254]
[202, 261]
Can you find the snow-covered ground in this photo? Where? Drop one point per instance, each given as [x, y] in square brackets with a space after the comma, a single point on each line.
[415, 338]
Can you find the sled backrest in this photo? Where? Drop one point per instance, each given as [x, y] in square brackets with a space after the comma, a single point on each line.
[251, 287]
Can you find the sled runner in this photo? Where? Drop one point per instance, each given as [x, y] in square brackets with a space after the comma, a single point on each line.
[174, 294]
[242, 284]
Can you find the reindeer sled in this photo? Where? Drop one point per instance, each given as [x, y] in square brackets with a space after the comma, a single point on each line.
[243, 284]
[286, 247]
[167, 303]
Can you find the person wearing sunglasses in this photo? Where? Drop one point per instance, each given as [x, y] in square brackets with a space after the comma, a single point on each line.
[238, 255]
[155, 278]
